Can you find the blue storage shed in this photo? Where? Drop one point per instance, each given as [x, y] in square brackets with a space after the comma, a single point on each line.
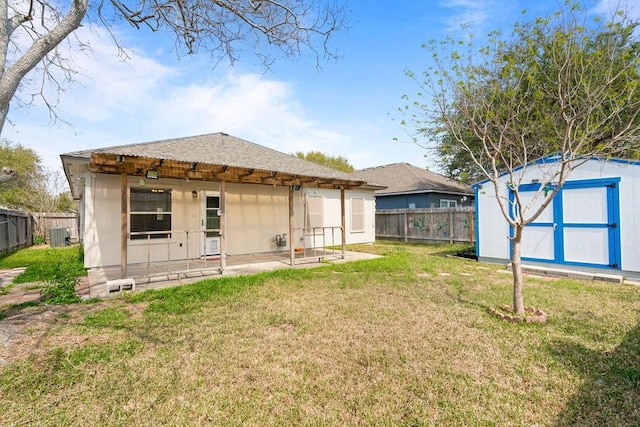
[592, 224]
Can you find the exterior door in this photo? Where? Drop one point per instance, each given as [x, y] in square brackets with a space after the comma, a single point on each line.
[579, 227]
[210, 221]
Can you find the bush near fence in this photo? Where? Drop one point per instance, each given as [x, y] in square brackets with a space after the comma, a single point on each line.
[430, 225]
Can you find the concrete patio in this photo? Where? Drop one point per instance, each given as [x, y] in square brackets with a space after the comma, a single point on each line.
[106, 281]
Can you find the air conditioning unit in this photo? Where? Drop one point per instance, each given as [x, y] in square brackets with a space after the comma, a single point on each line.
[212, 246]
[59, 237]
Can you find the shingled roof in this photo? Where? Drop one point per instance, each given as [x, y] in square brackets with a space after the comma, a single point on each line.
[403, 178]
[216, 156]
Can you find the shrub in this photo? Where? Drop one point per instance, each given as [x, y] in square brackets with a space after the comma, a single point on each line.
[39, 240]
[60, 291]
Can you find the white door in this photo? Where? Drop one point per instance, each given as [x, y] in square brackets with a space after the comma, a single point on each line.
[538, 238]
[210, 224]
[585, 217]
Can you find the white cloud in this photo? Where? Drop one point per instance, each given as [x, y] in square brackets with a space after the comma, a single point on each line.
[481, 15]
[608, 8]
[139, 100]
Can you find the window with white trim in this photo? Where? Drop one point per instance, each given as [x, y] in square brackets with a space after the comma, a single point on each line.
[315, 212]
[357, 214]
[150, 211]
[444, 203]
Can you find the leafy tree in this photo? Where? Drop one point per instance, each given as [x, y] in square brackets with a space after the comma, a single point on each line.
[340, 163]
[565, 85]
[222, 27]
[34, 188]
[25, 163]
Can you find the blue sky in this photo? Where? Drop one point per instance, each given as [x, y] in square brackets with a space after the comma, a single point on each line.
[346, 109]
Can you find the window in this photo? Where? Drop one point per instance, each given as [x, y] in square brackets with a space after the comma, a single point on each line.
[444, 203]
[212, 215]
[315, 208]
[150, 211]
[357, 215]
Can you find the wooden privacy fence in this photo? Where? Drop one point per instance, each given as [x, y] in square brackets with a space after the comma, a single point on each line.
[15, 230]
[43, 221]
[431, 225]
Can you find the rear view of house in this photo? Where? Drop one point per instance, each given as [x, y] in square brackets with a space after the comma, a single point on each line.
[211, 196]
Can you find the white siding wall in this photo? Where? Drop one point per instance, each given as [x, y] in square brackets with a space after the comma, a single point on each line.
[493, 228]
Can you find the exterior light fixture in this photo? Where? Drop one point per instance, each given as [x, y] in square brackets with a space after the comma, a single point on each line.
[194, 194]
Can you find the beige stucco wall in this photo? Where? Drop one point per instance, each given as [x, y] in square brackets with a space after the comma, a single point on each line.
[332, 218]
[254, 215]
[102, 221]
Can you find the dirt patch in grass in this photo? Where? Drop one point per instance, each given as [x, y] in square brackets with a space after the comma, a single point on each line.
[33, 331]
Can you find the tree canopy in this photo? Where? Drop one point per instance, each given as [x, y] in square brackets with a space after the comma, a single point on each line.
[564, 85]
[334, 162]
[271, 28]
[34, 188]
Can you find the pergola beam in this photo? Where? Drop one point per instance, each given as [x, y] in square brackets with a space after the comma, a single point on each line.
[167, 168]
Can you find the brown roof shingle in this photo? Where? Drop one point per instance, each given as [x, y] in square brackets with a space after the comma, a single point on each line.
[221, 149]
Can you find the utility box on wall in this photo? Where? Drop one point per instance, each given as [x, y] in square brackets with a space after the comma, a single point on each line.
[59, 237]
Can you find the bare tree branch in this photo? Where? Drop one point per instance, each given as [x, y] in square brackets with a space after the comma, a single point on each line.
[225, 28]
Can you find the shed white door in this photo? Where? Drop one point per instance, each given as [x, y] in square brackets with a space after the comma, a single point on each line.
[585, 225]
[579, 227]
[539, 238]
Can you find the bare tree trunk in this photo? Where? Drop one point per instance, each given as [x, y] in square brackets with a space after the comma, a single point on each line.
[516, 266]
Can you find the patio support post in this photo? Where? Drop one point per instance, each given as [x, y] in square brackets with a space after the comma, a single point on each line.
[292, 254]
[123, 227]
[343, 223]
[223, 212]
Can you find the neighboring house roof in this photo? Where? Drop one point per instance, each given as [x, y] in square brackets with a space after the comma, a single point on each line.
[403, 178]
[216, 154]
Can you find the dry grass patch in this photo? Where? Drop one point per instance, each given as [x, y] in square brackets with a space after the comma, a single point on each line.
[387, 341]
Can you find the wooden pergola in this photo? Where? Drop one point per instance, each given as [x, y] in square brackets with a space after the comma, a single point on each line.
[129, 165]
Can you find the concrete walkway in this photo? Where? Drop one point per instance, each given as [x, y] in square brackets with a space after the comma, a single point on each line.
[103, 282]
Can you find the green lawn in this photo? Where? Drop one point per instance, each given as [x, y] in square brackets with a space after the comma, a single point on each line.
[401, 340]
[46, 264]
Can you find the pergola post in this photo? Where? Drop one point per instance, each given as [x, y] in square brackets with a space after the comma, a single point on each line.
[343, 223]
[292, 254]
[123, 226]
[223, 212]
